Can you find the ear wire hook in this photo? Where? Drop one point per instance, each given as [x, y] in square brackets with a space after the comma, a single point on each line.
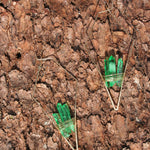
[97, 65]
[52, 58]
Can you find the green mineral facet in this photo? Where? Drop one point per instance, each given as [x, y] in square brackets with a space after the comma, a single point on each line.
[67, 111]
[62, 113]
[111, 76]
[120, 71]
[63, 120]
[57, 118]
[110, 69]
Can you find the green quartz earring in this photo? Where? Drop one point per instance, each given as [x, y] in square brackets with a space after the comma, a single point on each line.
[63, 119]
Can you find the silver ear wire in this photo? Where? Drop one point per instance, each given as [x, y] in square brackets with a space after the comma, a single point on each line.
[98, 67]
[52, 58]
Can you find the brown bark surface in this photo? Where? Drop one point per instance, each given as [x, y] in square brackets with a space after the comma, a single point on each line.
[67, 31]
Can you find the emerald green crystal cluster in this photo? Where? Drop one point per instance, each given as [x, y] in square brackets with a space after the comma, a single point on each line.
[113, 75]
[63, 120]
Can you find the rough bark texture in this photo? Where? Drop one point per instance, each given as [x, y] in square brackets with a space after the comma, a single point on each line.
[68, 31]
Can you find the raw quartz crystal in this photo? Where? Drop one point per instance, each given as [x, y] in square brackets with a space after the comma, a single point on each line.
[63, 120]
[112, 75]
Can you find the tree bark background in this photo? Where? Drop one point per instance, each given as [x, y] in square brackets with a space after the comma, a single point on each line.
[68, 31]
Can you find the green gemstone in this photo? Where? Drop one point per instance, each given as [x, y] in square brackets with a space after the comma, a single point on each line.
[120, 71]
[63, 120]
[111, 76]
[61, 112]
[57, 118]
[110, 69]
[67, 111]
